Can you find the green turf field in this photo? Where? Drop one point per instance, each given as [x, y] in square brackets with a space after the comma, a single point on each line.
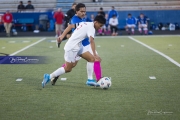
[133, 96]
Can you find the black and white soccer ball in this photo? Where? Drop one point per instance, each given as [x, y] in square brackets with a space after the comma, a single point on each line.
[14, 32]
[105, 82]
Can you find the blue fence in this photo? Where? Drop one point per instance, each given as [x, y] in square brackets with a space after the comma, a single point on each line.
[163, 16]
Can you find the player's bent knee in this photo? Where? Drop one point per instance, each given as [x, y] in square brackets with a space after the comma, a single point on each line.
[92, 59]
[68, 70]
[74, 65]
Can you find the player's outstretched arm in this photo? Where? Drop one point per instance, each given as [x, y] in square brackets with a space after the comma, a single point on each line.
[60, 38]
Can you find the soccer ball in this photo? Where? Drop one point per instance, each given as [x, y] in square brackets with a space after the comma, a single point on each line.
[105, 82]
[15, 33]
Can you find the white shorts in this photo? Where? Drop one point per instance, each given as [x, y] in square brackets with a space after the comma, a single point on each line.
[130, 26]
[143, 25]
[85, 49]
[88, 48]
[71, 55]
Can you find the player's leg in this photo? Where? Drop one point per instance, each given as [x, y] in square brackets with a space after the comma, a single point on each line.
[145, 29]
[104, 30]
[6, 28]
[70, 60]
[56, 73]
[132, 29]
[98, 70]
[108, 30]
[116, 30]
[68, 36]
[9, 28]
[56, 30]
[89, 67]
[53, 80]
[60, 29]
[67, 68]
[97, 67]
[100, 31]
[127, 29]
[112, 30]
[140, 28]
[90, 59]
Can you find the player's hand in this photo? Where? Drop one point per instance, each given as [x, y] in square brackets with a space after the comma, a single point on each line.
[58, 44]
[97, 58]
[59, 40]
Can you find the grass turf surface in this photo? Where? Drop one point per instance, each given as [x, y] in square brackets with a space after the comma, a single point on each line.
[132, 95]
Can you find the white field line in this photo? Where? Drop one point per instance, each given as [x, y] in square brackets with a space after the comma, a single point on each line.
[27, 47]
[160, 53]
[137, 36]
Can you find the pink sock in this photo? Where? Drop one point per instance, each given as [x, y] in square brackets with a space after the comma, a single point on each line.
[97, 70]
[146, 32]
[63, 65]
[99, 31]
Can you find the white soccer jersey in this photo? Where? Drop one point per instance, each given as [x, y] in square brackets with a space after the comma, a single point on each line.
[113, 21]
[84, 30]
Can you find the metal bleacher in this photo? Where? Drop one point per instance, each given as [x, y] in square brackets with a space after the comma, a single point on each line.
[64, 4]
[40, 5]
[122, 5]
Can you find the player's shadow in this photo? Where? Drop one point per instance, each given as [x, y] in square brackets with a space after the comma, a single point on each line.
[71, 85]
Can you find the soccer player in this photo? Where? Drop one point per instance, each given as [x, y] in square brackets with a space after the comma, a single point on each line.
[143, 24]
[113, 22]
[130, 24]
[74, 48]
[76, 19]
[68, 16]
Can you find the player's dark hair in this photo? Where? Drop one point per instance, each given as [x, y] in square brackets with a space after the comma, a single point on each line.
[74, 4]
[100, 19]
[129, 14]
[79, 5]
[101, 8]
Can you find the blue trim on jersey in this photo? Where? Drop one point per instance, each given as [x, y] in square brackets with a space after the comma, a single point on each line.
[131, 21]
[75, 19]
[142, 21]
